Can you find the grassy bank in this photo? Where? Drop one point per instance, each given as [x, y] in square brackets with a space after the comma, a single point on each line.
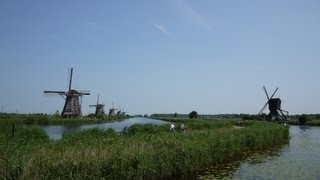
[43, 119]
[311, 122]
[146, 152]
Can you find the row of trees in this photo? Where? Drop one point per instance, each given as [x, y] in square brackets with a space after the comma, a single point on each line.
[191, 115]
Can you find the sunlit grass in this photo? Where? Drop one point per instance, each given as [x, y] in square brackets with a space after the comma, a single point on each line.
[142, 152]
[43, 119]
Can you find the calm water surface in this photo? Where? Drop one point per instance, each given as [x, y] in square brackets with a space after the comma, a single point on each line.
[56, 132]
[300, 159]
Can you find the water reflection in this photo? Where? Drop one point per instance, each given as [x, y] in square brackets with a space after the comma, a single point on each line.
[233, 169]
[56, 132]
[304, 128]
[300, 159]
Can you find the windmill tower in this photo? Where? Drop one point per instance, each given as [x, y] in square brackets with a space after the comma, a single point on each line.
[123, 113]
[276, 113]
[99, 107]
[72, 105]
[112, 111]
[119, 111]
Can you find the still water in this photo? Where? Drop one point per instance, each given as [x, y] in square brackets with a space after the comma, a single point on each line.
[56, 132]
[300, 159]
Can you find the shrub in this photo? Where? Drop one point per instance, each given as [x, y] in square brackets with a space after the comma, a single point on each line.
[193, 115]
[303, 119]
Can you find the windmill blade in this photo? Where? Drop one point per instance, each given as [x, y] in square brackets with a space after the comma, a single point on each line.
[81, 106]
[84, 92]
[98, 99]
[92, 105]
[285, 111]
[54, 92]
[274, 93]
[263, 108]
[265, 90]
[70, 80]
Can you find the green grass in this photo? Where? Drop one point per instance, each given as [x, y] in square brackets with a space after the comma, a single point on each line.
[43, 119]
[143, 152]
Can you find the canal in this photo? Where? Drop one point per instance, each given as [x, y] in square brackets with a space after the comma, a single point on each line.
[56, 132]
[299, 159]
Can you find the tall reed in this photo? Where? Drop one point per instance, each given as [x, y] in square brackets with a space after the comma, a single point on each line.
[143, 152]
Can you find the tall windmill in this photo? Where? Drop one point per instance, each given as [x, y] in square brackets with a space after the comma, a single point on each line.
[72, 105]
[112, 111]
[99, 107]
[276, 113]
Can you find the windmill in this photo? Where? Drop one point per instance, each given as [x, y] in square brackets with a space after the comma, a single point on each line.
[99, 107]
[276, 113]
[123, 113]
[72, 105]
[119, 111]
[112, 111]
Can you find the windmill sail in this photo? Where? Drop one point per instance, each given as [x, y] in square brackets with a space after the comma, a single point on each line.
[276, 113]
[72, 105]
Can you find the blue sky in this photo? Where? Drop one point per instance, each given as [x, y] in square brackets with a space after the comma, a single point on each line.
[163, 56]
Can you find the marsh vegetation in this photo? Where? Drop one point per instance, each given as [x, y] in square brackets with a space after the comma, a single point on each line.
[143, 151]
[44, 119]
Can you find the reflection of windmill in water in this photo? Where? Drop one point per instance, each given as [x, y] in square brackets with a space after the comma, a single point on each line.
[99, 107]
[72, 106]
[276, 113]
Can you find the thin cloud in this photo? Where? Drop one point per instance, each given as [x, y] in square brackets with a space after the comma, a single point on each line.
[161, 28]
[192, 15]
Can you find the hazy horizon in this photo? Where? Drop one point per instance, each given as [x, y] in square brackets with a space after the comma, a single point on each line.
[161, 56]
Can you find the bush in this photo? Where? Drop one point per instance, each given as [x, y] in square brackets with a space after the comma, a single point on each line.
[175, 115]
[31, 134]
[303, 119]
[30, 120]
[193, 115]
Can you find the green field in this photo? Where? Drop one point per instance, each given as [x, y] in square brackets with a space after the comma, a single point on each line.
[143, 152]
[44, 119]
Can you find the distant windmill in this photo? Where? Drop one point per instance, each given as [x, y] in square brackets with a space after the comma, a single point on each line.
[123, 113]
[119, 111]
[276, 113]
[72, 106]
[112, 111]
[99, 107]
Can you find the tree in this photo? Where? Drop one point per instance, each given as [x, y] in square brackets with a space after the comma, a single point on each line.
[57, 114]
[303, 119]
[175, 115]
[193, 114]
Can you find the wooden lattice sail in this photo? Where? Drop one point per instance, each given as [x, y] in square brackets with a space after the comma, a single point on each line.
[99, 107]
[276, 113]
[72, 105]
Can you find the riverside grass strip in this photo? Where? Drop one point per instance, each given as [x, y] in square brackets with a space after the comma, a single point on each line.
[43, 119]
[143, 152]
